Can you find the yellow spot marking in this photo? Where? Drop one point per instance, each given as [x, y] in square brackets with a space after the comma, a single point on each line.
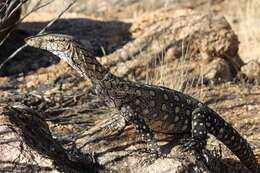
[221, 131]
[138, 92]
[146, 111]
[152, 93]
[177, 109]
[165, 116]
[171, 127]
[165, 96]
[164, 107]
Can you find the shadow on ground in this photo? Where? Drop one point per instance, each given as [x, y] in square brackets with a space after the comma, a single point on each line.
[104, 36]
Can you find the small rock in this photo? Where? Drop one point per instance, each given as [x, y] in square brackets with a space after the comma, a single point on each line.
[251, 70]
[218, 69]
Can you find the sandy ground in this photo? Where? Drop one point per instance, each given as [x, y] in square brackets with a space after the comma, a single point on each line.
[238, 103]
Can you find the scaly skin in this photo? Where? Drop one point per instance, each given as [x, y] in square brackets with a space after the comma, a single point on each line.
[149, 108]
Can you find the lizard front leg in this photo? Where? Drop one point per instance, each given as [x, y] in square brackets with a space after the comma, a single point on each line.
[144, 130]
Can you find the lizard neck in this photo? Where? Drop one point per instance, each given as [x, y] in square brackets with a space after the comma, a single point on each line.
[83, 61]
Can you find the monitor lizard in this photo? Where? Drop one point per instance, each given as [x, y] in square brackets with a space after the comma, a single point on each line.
[149, 108]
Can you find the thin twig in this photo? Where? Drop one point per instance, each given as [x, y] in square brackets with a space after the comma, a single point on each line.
[54, 20]
[19, 21]
[43, 30]
[10, 7]
[22, 2]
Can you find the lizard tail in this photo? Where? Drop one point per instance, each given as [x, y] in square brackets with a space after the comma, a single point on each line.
[234, 141]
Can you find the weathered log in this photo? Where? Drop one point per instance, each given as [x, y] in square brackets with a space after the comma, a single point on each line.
[27, 145]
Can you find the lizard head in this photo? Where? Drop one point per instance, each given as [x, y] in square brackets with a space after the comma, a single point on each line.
[58, 44]
[72, 51]
[50, 42]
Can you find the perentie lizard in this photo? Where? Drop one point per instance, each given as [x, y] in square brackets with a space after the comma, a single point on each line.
[149, 107]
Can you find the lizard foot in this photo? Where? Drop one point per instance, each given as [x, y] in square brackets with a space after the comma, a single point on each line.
[153, 157]
[192, 144]
[196, 146]
[150, 160]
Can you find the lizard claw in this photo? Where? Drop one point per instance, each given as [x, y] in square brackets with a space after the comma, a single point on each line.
[197, 146]
[161, 154]
[192, 144]
[151, 159]
[147, 162]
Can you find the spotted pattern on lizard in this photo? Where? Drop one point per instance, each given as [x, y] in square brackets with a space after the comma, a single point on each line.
[149, 108]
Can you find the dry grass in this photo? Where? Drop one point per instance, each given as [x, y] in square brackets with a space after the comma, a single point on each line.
[244, 17]
[194, 87]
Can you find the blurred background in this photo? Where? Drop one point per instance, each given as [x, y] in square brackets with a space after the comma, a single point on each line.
[243, 15]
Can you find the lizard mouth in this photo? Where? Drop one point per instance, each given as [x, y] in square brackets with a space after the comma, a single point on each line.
[48, 37]
[35, 36]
